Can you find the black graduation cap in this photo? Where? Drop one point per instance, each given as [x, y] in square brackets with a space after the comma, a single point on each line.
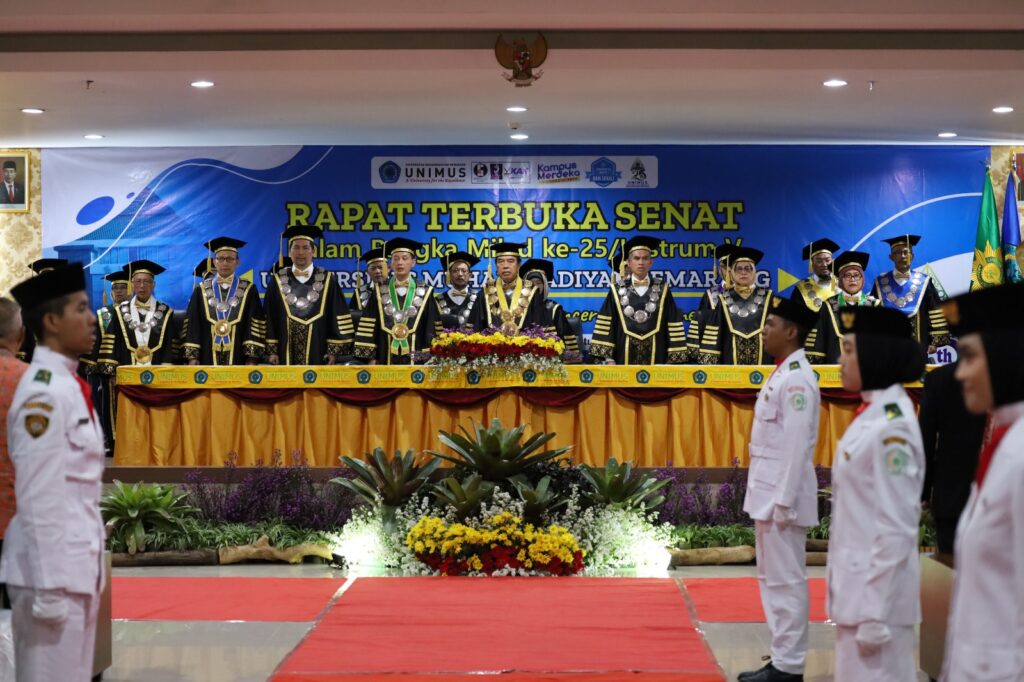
[285, 262]
[545, 267]
[986, 310]
[372, 255]
[458, 257]
[118, 276]
[649, 243]
[875, 320]
[794, 310]
[615, 261]
[310, 232]
[49, 284]
[724, 250]
[908, 240]
[224, 244]
[43, 264]
[745, 253]
[202, 269]
[400, 244]
[848, 258]
[818, 246]
[506, 249]
[146, 266]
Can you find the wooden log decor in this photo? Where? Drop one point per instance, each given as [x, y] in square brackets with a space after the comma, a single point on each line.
[713, 556]
[262, 551]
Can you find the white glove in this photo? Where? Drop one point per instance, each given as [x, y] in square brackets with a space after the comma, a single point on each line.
[783, 516]
[871, 636]
[50, 606]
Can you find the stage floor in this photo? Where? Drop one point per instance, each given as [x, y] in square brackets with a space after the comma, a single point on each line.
[189, 642]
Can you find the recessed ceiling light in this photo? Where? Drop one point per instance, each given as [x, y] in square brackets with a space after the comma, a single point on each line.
[519, 136]
[948, 134]
[94, 136]
[202, 84]
[32, 110]
[997, 110]
[515, 110]
[834, 83]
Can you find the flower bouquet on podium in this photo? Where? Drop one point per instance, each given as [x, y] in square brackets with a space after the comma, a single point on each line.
[495, 353]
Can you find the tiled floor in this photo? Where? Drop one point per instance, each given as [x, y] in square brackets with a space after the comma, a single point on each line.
[249, 652]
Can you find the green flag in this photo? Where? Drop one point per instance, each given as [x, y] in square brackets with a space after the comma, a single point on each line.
[987, 269]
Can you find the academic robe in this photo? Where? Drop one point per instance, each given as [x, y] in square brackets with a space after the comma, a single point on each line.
[306, 321]
[814, 293]
[918, 299]
[392, 341]
[635, 329]
[560, 321]
[731, 332]
[238, 313]
[446, 305]
[824, 344]
[528, 311]
[121, 345]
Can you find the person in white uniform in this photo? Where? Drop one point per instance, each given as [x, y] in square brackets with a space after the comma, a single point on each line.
[877, 478]
[54, 545]
[985, 638]
[782, 489]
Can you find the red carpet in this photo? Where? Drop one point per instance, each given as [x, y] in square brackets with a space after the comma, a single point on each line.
[737, 600]
[245, 599]
[538, 628]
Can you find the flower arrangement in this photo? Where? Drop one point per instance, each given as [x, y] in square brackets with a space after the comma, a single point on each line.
[502, 544]
[493, 352]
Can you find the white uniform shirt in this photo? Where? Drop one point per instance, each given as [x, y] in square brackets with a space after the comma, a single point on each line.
[877, 478]
[985, 640]
[55, 540]
[782, 443]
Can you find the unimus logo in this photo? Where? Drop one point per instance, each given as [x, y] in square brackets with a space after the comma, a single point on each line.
[643, 376]
[417, 377]
[390, 172]
[756, 378]
[586, 376]
[201, 377]
[146, 377]
[363, 377]
[309, 376]
[255, 377]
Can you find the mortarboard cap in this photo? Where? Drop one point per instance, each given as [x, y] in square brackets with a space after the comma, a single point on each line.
[309, 232]
[724, 250]
[458, 257]
[506, 249]
[43, 264]
[648, 243]
[372, 255]
[851, 258]
[401, 244]
[48, 285]
[741, 253]
[202, 269]
[986, 310]
[818, 246]
[794, 310]
[118, 276]
[224, 244]
[147, 266]
[909, 240]
[534, 265]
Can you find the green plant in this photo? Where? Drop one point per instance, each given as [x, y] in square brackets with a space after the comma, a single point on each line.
[538, 501]
[821, 531]
[465, 497]
[385, 483]
[701, 537]
[135, 513]
[927, 535]
[496, 453]
[617, 485]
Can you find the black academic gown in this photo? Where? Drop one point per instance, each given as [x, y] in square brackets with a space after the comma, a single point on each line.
[389, 341]
[660, 338]
[824, 344]
[239, 313]
[460, 310]
[28, 347]
[527, 312]
[120, 345]
[708, 301]
[560, 322]
[731, 332]
[103, 394]
[919, 300]
[307, 321]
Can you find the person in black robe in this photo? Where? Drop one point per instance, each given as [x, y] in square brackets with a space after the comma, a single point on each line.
[508, 302]
[376, 272]
[825, 341]
[542, 274]
[224, 322]
[102, 390]
[459, 299]
[821, 284]
[142, 331]
[308, 321]
[913, 293]
[639, 322]
[731, 332]
[709, 299]
[401, 318]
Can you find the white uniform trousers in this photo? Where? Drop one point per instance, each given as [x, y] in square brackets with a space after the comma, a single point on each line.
[43, 652]
[782, 576]
[893, 662]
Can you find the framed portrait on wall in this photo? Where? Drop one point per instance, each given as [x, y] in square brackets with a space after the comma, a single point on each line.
[14, 175]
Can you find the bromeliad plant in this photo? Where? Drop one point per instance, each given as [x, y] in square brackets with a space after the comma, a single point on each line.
[496, 453]
[617, 485]
[463, 497]
[135, 513]
[540, 501]
[386, 483]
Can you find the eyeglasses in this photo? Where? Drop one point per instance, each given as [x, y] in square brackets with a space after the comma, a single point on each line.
[225, 259]
[852, 275]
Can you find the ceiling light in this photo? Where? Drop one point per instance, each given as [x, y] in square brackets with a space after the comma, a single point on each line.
[515, 110]
[202, 84]
[32, 110]
[94, 136]
[997, 110]
[949, 134]
[519, 136]
[834, 83]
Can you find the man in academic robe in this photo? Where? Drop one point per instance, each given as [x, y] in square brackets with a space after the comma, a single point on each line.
[224, 322]
[102, 389]
[825, 341]
[401, 318]
[508, 301]
[913, 293]
[376, 272]
[709, 299]
[821, 284]
[308, 322]
[39, 266]
[459, 299]
[731, 333]
[142, 331]
[542, 274]
[639, 323]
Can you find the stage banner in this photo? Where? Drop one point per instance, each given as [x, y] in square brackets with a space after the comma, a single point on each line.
[575, 205]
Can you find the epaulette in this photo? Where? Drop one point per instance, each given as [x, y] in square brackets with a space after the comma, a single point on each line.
[43, 376]
[893, 411]
[794, 365]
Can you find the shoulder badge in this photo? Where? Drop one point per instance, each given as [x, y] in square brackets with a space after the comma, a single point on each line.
[43, 376]
[795, 364]
[893, 411]
[36, 424]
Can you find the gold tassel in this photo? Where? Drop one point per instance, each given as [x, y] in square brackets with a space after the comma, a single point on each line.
[280, 253]
[810, 257]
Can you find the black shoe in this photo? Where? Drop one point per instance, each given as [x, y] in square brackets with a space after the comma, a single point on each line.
[743, 677]
[769, 674]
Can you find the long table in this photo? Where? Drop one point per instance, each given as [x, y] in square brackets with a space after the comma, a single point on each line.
[655, 416]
